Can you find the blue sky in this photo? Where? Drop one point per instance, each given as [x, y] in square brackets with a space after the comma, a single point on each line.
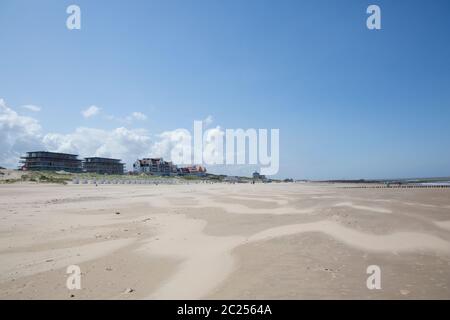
[349, 102]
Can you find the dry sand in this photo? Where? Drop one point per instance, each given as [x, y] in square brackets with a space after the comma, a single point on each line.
[241, 241]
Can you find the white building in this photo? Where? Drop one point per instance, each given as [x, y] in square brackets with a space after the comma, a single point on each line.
[155, 166]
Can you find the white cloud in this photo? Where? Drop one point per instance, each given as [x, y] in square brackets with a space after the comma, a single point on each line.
[208, 121]
[137, 116]
[90, 112]
[32, 107]
[120, 143]
[170, 142]
[18, 134]
[134, 116]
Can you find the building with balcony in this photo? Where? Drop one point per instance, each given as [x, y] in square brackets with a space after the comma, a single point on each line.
[50, 161]
[155, 166]
[103, 165]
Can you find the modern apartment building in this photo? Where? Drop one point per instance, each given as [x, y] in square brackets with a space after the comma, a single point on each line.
[103, 165]
[51, 161]
[156, 166]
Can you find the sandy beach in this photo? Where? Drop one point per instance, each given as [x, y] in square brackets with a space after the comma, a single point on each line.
[223, 241]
